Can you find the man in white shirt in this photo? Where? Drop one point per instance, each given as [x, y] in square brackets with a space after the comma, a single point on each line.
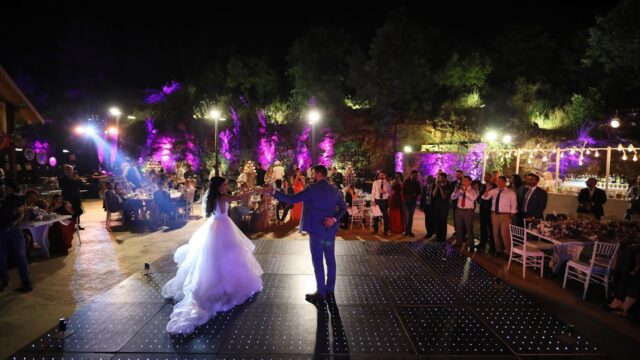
[465, 197]
[504, 206]
[278, 173]
[380, 192]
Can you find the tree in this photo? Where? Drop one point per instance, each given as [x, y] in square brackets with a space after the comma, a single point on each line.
[318, 67]
[397, 78]
[252, 78]
[465, 74]
[614, 43]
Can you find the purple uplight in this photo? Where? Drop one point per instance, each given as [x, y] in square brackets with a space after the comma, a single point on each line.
[326, 158]
[303, 157]
[191, 151]
[229, 138]
[171, 87]
[470, 163]
[164, 153]
[399, 162]
[39, 146]
[157, 96]
[268, 144]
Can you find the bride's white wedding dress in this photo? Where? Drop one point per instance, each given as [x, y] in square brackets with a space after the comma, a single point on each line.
[216, 271]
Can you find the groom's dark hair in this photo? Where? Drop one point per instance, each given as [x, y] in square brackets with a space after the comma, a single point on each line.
[320, 169]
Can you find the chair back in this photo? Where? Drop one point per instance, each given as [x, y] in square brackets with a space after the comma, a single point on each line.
[603, 254]
[518, 236]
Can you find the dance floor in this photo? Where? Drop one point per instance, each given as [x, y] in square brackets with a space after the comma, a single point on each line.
[393, 300]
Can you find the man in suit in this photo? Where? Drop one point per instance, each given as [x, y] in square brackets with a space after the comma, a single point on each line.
[323, 204]
[532, 200]
[425, 206]
[592, 199]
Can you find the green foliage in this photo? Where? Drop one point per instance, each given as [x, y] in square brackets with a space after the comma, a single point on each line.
[278, 112]
[553, 119]
[465, 74]
[400, 66]
[318, 67]
[470, 100]
[252, 78]
[614, 43]
[585, 107]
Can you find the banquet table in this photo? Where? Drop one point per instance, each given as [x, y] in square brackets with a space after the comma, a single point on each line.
[40, 231]
[564, 249]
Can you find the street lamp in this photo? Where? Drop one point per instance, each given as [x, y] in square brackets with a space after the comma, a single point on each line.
[313, 117]
[215, 116]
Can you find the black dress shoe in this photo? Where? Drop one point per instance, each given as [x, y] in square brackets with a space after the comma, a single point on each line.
[315, 298]
[80, 227]
[25, 288]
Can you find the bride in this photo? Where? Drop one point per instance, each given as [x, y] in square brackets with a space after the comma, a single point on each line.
[216, 269]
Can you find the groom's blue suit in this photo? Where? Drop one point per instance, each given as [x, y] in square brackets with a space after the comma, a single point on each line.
[320, 201]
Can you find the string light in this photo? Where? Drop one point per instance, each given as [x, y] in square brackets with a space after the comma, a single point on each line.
[597, 154]
[624, 156]
[620, 148]
[572, 152]
[545, 158]
[529, 161]
[635, 157]
[588, 152]
[561, 154]
[630, 148]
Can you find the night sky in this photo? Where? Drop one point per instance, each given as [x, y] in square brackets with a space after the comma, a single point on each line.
[141, 44]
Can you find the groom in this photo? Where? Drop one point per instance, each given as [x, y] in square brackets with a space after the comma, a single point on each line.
[323, 204]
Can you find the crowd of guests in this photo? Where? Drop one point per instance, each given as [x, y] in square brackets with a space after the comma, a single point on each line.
[16, 207]
[119, 195]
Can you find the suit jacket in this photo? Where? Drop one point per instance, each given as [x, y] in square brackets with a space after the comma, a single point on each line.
[537, 202]
[599, 198]
[320, 201]
[425, 197]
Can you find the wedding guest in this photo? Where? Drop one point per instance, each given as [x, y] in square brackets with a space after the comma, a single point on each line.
[591, 199]
[380, 192]
[70, 184]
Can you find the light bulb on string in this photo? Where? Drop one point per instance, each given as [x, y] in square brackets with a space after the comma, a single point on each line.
[635, 157]
[561, 154]
[545, 158]
[630, 148]
[597, 154]
[620, 148]
[588, 152]
[572, 152]
[529, 161]
[624, 156]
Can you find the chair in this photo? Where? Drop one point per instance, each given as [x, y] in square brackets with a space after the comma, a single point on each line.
[199, 203]
[597, 270]
[357, 213]
[188, 206]
[110, 218]
[523, 253]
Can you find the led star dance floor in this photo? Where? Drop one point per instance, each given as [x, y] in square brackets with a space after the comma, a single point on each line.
[393, 300]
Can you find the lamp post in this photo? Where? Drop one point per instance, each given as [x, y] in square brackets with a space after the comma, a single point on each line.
[313, 116]
[215, 116]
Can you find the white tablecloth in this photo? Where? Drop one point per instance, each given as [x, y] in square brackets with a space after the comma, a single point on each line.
[40, 231]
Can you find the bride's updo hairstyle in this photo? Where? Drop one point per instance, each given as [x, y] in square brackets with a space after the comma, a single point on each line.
[213, 194]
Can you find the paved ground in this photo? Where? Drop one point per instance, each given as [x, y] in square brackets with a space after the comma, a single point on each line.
[65, 284]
